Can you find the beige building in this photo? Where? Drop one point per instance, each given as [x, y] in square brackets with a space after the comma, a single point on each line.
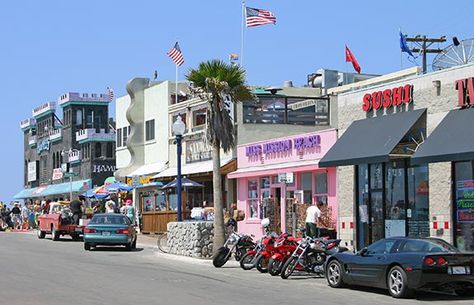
[404, 157]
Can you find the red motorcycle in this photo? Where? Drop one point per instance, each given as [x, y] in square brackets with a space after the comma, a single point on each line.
[249, 259]
[283, 250]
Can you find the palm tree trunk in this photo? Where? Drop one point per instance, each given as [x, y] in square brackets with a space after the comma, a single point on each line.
[219, 232]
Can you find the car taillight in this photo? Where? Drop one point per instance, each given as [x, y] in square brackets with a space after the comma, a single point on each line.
[442, 261]
[89, 230]
[122, 231]
[429, 261]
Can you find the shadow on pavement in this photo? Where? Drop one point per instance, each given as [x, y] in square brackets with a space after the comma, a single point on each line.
[114, 249]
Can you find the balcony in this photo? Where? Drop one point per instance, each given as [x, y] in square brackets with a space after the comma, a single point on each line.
[28, 123]
[45, 108]
[91, 135]
[74, 97]
[55, 135]
[74, 157]
[32, 140]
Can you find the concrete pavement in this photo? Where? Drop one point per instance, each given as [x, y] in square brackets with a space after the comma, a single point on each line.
[43, 272]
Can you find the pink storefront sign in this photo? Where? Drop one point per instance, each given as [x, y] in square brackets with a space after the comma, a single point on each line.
[293, 155]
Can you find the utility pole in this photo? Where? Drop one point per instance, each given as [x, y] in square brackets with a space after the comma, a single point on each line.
[423, 44]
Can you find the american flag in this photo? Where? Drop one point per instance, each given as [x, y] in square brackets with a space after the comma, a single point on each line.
[110, 93]
[256, 17]
[176, 55]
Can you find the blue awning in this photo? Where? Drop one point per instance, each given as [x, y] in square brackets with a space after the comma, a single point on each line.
[80, 186]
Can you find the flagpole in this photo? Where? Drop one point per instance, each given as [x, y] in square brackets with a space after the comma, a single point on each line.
[242, 36]
[176, 84]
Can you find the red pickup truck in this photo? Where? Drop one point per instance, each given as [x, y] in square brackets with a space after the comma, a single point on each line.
[58, 222]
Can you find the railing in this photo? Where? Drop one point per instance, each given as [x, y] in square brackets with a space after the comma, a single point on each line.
[83, 97]
[49, 106]
[74, 156]
[32, 140]
[27, 123]
[55, 134]
[92, 134]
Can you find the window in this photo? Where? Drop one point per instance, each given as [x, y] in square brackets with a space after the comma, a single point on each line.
[110, 150]
[427, 245]
[125, 133]
[78, 117]
[321, 187]
[253, 198]
[464, 205]
[89, 119]
[119, 137]
[98, 150]
[307, 187]
[199, 119]
[281, 110]
[150, 130]
[381, 247]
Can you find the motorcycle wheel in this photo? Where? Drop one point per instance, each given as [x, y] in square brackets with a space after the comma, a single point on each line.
[247, 262]
[274, 267]
[261, 263]
[288, 267]
[221, 257]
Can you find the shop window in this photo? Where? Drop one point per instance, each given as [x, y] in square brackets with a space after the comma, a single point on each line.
[307, 187]
[418, 201]
[199, 119]
[253, 198]
[321, 188]
[265, 182]
[395, 207]
[362, 212]
[150, 130]
[464, 205]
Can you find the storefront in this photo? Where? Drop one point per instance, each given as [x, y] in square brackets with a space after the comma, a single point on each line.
[279, 178]
[404, 159]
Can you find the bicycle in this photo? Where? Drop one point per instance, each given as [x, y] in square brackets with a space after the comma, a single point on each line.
[162, 242]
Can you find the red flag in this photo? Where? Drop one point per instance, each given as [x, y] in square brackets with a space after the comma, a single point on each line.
[351, 58]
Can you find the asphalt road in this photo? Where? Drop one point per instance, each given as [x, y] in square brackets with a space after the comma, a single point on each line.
[43, 272]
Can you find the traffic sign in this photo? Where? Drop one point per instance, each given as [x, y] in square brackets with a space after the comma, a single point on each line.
[70, 174]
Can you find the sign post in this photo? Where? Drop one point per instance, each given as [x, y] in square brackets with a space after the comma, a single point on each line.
[70, 175]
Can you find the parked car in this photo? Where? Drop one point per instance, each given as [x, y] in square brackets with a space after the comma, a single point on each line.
[58, 222]
[110, 230]
[403, 265]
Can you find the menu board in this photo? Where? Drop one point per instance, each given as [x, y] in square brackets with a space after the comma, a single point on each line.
[465, 201]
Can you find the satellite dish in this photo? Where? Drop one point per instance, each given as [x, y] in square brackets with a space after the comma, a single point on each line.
[455, 55]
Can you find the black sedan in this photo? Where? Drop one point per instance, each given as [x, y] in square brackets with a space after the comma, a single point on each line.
[403, 265]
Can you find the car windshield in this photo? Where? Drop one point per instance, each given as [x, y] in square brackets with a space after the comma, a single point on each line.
[110, 219]
[427, 245]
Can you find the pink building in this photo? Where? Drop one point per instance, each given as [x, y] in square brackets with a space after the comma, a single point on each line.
[279, 178]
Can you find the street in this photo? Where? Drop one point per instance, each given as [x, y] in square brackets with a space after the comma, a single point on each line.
[35, 272]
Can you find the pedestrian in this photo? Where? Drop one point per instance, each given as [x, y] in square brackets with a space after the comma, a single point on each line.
[109, 207]
[25, 216]
[16, 216]
[312, 215]
[130, 210]
[76, 209]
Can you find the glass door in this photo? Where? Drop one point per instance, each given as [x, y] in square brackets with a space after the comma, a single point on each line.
[395, 195]
[376, 201]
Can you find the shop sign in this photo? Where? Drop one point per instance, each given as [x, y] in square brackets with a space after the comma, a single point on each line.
[103, 168]
[42, 145]
[298, 143]
[57, 173]
[31, 171]
[197, 150]
[465, 201]
[465, 88]
[139, 180]
[388, 98]
[286, 177]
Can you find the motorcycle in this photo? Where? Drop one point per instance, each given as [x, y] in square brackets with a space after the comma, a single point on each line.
[271, 247]
[310, 256]
[235, 243]
[283, 250]
[249, 260]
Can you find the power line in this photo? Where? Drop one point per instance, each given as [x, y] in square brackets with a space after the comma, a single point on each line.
[423, 44]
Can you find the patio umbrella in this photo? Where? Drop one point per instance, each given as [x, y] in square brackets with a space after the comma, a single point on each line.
[185, 182]
[116, 187]
[98, 193]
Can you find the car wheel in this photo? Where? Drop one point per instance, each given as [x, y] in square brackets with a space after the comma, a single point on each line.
[41, 234]
[87, 246]
[397, 283]
[334, 274]
[55, 234]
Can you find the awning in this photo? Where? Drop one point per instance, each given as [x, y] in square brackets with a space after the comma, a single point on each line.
[26, 193]
[371, 140]
[275, 169]
[192, 168]
[55, 189]
[149, 169]
[451, 140]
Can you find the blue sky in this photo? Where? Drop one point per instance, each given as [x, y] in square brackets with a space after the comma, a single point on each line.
[51, 47]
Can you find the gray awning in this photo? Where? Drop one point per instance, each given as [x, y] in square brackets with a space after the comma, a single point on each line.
[370, 140]
[452, 139]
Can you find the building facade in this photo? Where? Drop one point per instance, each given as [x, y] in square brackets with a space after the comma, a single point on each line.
[68, 154]
[396, 175]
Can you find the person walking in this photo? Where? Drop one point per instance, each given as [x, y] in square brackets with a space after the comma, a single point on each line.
[76, 209]
[312, 216]
[130, 210]
[16, 216]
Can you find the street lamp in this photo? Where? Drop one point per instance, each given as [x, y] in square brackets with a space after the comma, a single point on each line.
[178, 130]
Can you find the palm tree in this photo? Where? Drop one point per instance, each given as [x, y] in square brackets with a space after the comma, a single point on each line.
[214, 80]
